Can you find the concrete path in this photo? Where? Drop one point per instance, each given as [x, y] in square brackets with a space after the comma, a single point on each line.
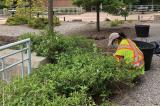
[65, 28]
[3, 20]
[15, 31]
[91, 16]
[68, 27]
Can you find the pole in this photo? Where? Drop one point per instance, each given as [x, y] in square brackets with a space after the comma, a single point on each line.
[30, 9]
[50, 14]
[98, 16]
[152, 6]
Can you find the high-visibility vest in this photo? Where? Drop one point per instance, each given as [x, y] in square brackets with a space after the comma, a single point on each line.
[130, 53]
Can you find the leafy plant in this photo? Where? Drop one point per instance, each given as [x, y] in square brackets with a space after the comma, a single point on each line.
[16, 20]
[124, 13]
[116, 23]
[74, 80]
[35, 39]
[52, 45]
[130, 21]
[81, 74]
[41, 23]
[38, 23]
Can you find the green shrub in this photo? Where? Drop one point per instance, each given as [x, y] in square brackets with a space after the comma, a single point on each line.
[52, 45]
[116, 23]
[41, 23]
[121, 22]
[124, 13]
[80, 74]
[72, 82]
[38, 23]
[35, 39]
[56, 21]
[130, 21]
[16, 20]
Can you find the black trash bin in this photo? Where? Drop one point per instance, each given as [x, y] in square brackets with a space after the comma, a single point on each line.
[142, 30]
[147, 50]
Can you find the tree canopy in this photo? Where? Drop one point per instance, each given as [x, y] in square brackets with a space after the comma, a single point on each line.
[110, 6]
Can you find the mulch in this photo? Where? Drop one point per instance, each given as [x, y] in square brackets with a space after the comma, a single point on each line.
[101, 38]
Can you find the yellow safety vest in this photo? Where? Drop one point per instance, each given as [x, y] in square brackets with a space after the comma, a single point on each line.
[130, 52]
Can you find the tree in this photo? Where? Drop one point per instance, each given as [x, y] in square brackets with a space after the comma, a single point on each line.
[96, 3]
[39, 5]
[124, 13]
[50, 14]
[111, 6]
[10, 3]
[2, 4]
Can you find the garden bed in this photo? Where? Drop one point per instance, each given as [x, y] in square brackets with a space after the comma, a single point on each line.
[78, 74]
[101, 38]
[7, 39]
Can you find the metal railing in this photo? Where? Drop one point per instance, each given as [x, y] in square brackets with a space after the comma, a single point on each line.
[68, 10]
[144, 8]
[25, 49]
[1, 11]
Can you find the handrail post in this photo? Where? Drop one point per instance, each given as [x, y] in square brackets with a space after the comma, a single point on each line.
[3, 74]
[22, 65]
[29, 57]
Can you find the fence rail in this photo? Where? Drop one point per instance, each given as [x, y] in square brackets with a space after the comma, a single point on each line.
[144, 8]
[26, 48]
[68, 10]
[1, 11]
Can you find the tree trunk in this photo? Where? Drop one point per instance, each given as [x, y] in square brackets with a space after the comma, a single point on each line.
[50, 14]
[125, 18]
[98, 16]
[30, 9]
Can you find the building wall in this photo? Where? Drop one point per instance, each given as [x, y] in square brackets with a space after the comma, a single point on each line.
[62, 3]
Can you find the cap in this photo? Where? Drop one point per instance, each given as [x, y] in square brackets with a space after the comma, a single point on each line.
[112, 37]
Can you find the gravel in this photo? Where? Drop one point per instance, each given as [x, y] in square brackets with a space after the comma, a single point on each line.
[69, 27]
[147, 93]
[15, 31]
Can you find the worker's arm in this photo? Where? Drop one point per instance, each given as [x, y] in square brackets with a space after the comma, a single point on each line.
[118, 57]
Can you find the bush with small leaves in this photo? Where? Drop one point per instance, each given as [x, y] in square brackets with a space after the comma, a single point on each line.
[41, 23]
[16, 20]
[116, 23]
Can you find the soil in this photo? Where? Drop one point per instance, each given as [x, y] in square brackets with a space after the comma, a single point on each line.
[101, 38]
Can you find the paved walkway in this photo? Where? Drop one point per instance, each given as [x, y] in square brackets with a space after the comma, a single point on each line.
[91, 16]
[15, 31]
[2, 20]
